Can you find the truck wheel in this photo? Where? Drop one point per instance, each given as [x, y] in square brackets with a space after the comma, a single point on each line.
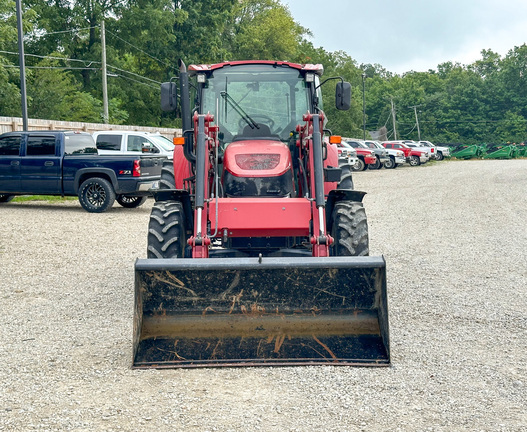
[131, 201]
[439, 156]
[349, 230]
[168, 180]
[96, 195]
[346, 179]
[6, 198]
[166, 231]
[390, 164]
[414, 161]
[359, 165]
[377, 165]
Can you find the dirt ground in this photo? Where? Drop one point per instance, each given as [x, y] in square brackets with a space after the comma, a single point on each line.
[454, 236]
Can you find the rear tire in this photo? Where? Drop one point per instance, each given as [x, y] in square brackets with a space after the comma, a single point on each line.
[131, 201]
[166, 231]
[96, 195]
[346, 178]
[349, 230]
[6, 198]
[390, 164]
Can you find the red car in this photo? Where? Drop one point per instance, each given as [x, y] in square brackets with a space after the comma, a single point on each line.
[414, 156]
[364, 154]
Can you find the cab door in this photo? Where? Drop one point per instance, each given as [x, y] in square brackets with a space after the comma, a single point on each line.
[10, 163]
[40, 166]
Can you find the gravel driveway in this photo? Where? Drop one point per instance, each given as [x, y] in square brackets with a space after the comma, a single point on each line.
[454, 235]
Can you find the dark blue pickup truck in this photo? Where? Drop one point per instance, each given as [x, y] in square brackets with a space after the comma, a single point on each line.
[67, 163]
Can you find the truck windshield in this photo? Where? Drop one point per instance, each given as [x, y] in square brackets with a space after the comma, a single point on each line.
[256, 96]
[163, 142]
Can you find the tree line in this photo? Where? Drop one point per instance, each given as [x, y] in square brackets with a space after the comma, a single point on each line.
[482, 102]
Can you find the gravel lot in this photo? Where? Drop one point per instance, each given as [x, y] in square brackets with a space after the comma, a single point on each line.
[454, 235]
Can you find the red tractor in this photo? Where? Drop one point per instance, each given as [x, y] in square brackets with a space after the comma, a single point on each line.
[257, 242]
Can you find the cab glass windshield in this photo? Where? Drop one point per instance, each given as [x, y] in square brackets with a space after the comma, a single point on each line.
[250, 96]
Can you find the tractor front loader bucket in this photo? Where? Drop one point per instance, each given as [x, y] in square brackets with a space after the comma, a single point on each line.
[260, 311]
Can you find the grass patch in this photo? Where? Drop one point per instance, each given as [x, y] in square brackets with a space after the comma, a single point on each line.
[50, 198]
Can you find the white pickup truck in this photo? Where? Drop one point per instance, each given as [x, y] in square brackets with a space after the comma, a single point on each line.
[441, 152]
[133, 142]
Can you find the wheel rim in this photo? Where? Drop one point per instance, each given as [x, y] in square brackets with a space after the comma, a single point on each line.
[413, 161]
[95, 195]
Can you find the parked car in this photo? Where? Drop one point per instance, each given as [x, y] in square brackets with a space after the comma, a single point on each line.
[347, 153]
[440, 152]
[66, 163]
[395, 157]
[132, 142]
[413, 156]
[365, 156]
[380, 153]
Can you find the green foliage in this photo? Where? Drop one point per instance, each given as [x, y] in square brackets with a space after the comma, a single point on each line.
[264, 29]
[54, 94]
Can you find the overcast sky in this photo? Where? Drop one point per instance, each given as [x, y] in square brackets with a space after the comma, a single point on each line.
[414, 35]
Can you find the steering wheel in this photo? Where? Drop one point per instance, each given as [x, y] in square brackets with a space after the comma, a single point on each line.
[266, 120]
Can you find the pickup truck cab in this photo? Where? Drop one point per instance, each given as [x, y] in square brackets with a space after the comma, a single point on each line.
[133, 143]
[66, 163]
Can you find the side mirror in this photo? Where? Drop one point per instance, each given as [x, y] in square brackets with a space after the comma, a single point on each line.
[168, 96]
[343, 96]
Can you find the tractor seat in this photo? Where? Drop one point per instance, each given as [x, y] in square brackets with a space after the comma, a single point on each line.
[261, 132]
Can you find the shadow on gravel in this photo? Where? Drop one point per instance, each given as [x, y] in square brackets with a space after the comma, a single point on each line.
[74, 209]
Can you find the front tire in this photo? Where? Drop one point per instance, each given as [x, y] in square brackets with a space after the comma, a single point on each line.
[168, 180]
[414, 161]
[439, 156]
[96, 195]
[166, 230]
[349, 230]
[359, 165]
[390, 164]
[377, 165]
[6, 198]
[346, 178]
[131, 201]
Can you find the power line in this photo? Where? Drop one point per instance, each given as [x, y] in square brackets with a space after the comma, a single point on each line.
[65, 31]
[137, 81]
[51, 67]
[90, 62]
[131, 73]
[52, 57]
[139, 49]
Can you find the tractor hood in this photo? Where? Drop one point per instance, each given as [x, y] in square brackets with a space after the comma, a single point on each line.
[257, 158]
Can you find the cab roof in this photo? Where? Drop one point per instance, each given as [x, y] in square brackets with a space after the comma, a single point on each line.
[315, 68]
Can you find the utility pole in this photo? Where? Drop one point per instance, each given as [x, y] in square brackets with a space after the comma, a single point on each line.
[393, 119]
[417, 121]
[363, 108]
[22, 63]
[104, 76]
